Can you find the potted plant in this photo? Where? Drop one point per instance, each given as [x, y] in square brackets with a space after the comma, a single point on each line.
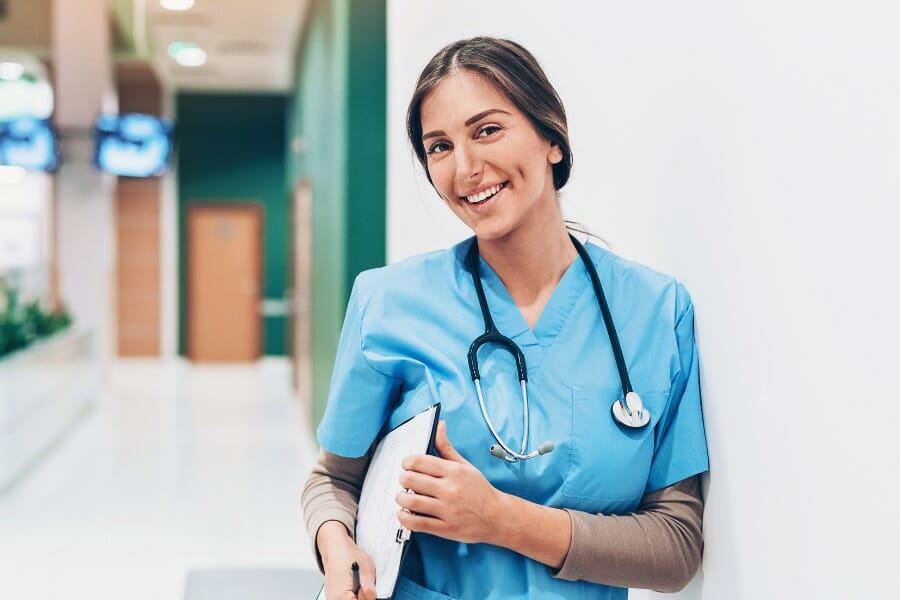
[20, 325]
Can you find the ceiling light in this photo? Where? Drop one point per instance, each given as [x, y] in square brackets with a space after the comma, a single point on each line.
[11, 71]
[11, 174]
[187, 55]
[177, 4]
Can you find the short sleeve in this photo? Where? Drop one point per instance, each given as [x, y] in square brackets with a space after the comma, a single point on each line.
[680, 436]
[360, 396]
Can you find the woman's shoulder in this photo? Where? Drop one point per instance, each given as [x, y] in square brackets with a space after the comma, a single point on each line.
[636, 280]
[420, 275]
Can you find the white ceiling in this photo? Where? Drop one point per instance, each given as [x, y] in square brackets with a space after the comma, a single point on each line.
[250, 45]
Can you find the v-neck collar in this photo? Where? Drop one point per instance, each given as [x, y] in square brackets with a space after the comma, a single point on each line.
[509, 318]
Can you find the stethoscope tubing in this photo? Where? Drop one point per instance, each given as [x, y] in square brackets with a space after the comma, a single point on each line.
[607, 316]
[511, 455]
[491, 335]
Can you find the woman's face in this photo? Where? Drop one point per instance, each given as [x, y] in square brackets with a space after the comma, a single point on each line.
[486, 159]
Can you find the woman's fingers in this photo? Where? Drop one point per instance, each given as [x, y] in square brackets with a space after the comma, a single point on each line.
[452, 498]
[366, 589]
[420, 504]
[366, 578]
[339, 576]
[422, 523]
[426, 485]
[427, 465]
[460, 502]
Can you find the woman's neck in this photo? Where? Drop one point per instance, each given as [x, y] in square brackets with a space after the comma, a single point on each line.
[530, 263]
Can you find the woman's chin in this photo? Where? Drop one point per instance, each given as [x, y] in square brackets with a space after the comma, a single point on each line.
[489, 232]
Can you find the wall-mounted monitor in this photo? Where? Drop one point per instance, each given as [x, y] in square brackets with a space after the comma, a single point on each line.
[29, 143]
[132, 145]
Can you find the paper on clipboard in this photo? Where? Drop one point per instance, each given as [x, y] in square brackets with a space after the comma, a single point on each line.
[378, 531]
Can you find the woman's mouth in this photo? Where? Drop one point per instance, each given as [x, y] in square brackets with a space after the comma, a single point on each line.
[485, 195]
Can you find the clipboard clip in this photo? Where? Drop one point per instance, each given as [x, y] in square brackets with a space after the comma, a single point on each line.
[403, 535]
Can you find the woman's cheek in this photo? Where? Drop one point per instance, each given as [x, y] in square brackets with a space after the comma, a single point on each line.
[442, 178]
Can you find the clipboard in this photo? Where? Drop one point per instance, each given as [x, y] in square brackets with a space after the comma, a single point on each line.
[378, 531]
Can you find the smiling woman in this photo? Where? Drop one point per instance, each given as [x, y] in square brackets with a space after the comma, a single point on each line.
[486, 160]
[611, 499]
[514, 73]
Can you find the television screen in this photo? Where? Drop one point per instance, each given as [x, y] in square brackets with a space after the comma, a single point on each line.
[29, 143]
[132, 145]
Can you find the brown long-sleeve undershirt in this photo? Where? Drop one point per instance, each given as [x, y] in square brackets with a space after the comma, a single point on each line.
[656, 547]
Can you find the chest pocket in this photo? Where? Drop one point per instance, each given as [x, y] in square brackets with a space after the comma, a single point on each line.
[407, 589]
[609, 462]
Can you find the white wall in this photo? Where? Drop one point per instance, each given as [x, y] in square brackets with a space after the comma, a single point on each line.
[25, 235]
[86, 249]
[82, 65]
[752, 149]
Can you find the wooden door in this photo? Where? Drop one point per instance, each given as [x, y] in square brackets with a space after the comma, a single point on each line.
[224, 282]
[301, 296]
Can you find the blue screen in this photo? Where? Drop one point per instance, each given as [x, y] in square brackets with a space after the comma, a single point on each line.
[132, 145]
[29, 143]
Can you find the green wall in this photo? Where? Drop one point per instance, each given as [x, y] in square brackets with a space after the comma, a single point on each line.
[231, 148]
[366, 136]
[339, 113]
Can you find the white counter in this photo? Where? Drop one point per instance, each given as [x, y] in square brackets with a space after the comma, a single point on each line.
[44, 389]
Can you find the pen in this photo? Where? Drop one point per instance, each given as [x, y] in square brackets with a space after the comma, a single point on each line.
[354, 570]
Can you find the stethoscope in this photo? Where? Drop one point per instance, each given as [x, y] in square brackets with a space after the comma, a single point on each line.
[629, 412]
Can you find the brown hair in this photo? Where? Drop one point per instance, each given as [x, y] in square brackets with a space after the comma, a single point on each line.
[516, 73]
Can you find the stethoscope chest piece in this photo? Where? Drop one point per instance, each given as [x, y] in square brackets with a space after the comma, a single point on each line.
[630, 412]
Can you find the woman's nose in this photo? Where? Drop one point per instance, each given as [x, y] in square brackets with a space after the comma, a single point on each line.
[468, 166]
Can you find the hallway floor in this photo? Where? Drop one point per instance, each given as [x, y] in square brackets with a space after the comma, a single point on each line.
[177, 468]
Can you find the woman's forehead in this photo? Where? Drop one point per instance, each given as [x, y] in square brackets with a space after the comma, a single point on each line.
[457, 97]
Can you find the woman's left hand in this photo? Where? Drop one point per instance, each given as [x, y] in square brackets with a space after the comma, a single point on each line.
[448, 497]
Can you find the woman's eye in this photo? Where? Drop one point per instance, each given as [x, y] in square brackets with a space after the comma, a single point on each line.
[488, 130]
[438, 147]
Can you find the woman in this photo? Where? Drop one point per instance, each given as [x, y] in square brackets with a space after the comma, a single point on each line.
[611, 506]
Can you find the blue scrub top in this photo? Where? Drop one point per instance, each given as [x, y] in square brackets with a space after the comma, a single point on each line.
[403, 347]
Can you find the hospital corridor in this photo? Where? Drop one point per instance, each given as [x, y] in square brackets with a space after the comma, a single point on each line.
[178, 471]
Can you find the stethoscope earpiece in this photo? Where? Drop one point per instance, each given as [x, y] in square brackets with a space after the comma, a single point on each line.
[497, 451]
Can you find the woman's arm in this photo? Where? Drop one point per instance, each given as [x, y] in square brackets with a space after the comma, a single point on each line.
[329, 501]
[657, 547]
[332, 493]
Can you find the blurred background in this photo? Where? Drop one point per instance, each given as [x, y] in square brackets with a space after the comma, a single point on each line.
[168, 316]
[189, 187]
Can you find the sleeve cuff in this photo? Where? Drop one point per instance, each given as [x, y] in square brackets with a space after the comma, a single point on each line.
[572, 564]
[592, 549]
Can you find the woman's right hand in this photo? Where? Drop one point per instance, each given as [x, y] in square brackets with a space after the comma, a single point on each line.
[339, 552]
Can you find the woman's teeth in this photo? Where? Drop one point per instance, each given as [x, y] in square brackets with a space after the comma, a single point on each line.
[479, 198]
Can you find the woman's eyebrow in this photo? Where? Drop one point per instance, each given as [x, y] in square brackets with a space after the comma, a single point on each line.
[481, 115]
[469, 121]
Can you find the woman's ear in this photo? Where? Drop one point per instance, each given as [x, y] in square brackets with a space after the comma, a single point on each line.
[555, 154]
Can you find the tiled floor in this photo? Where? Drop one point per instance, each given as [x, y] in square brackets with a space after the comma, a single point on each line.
[177, 468]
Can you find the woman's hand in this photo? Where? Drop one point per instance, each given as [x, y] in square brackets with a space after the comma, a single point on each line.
[339, 552]
[450, 498]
